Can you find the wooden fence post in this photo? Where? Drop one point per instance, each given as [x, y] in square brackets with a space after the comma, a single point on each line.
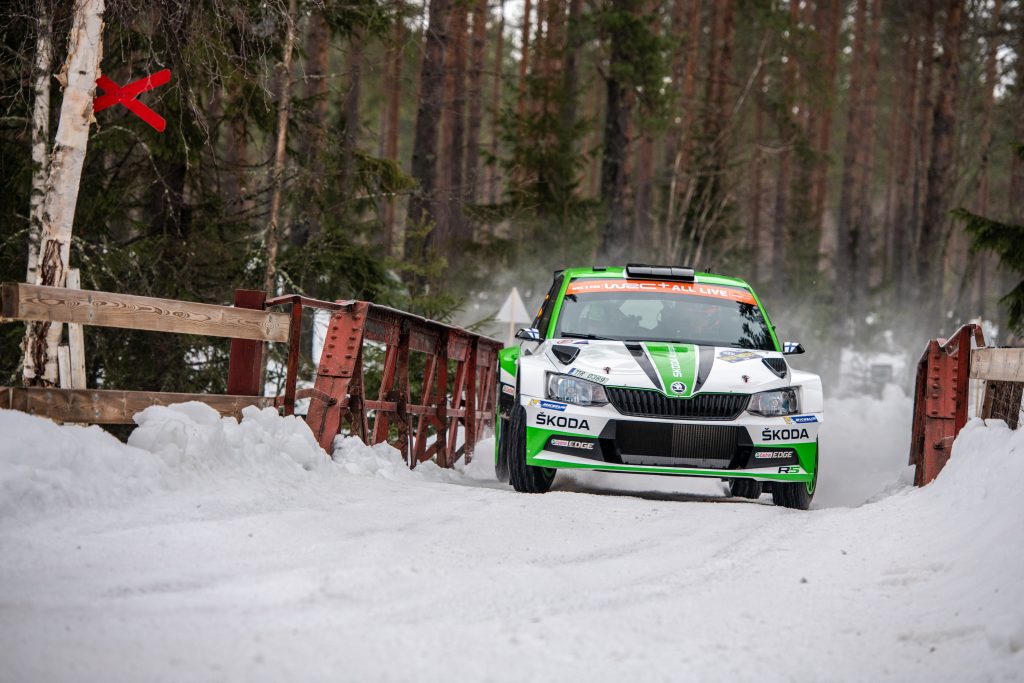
[76, 338]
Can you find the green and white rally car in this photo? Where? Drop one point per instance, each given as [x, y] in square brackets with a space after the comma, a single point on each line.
[657, 370]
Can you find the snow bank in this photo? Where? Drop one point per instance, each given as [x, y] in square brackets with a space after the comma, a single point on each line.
[192, 437]
[48, 468]
[45, 467]
[971, 517]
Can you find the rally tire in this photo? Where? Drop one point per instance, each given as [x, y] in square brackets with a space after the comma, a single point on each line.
[745, 488]
[797, 494]
[525, 478]
[501, 463]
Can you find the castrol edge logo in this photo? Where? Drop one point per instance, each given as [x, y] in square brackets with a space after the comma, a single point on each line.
[586, 286]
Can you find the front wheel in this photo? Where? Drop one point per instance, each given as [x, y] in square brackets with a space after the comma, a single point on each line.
[525, 478]
[798, 494]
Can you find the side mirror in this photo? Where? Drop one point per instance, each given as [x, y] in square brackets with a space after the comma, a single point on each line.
[792, 348]
[529, 334]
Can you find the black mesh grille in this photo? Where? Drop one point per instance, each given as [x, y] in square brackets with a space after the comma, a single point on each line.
[645, 403]
[678, 444]
[776, 365]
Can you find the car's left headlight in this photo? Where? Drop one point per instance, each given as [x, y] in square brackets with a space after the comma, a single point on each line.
[775, 403]
[576, 391]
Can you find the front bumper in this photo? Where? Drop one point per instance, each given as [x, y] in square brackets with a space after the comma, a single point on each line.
[600, 438]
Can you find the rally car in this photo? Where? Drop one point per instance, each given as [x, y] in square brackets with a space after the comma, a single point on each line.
[657, 370]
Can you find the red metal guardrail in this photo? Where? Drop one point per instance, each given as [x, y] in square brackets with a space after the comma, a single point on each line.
[424, 426]
[940, 400]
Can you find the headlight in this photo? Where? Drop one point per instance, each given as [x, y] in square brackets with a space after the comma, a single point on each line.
[574, 390]
[775, 403]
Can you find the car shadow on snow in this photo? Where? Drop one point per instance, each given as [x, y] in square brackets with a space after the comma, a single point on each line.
[642, 486]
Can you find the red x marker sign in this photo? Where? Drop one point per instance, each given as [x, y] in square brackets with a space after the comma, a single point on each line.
[115, 94]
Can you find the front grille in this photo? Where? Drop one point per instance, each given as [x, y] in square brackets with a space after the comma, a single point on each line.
[644, 403]
[711, 446]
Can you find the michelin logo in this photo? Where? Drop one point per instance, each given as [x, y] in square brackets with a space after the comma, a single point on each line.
[547, 405]
[800, 419]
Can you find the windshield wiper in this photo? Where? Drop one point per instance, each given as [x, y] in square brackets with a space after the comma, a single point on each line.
[583, 335]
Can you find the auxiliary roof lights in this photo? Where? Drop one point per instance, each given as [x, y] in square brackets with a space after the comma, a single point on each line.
[660, 272]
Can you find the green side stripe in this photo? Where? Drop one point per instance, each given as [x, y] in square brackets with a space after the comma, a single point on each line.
[675, 363]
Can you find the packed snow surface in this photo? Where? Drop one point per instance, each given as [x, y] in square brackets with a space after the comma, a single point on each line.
[208, 549]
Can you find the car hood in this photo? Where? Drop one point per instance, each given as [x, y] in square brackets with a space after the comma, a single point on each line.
[678, 370]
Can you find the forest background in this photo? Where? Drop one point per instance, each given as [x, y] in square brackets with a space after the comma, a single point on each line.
[432, 155]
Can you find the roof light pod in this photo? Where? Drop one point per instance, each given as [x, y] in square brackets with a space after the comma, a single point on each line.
[661, 272]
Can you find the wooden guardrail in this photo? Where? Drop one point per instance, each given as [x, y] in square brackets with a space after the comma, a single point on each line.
[246, 323]
[109, 406]
[105, 309]
[1003, 372]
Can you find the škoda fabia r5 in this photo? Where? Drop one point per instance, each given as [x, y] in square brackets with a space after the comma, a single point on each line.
[657, 370]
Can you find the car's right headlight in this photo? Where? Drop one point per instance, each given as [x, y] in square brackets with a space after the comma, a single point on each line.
[775, 403]
[575, 390]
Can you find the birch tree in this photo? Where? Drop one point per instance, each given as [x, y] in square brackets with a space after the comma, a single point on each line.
[60, 193]
[40, 134]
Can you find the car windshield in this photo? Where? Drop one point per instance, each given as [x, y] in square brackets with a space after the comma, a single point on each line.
[650, 310]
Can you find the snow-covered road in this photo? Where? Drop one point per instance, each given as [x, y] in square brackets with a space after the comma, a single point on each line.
[239, 553]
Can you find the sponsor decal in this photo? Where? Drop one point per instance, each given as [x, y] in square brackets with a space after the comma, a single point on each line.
[546, 420]
[565, 443]
[548, 404]
[508, 389]
[586, 286]
[791, 469]
[736, 356]
[770, 434]
[673, 362]
[575, 342]
[800, 419]
[772, 455]
[589, 376]
[675, 365]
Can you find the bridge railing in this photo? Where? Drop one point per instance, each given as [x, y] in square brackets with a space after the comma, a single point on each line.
[942, 389]
[453, 376]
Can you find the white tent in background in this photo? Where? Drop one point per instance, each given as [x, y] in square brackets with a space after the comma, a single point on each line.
[513, 311]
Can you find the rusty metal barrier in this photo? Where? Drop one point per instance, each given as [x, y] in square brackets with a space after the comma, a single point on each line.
[425, 426]
[940, 400]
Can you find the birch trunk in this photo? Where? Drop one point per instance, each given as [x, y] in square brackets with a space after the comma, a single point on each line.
[277, 173]
[40, 135]
[85, 51]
